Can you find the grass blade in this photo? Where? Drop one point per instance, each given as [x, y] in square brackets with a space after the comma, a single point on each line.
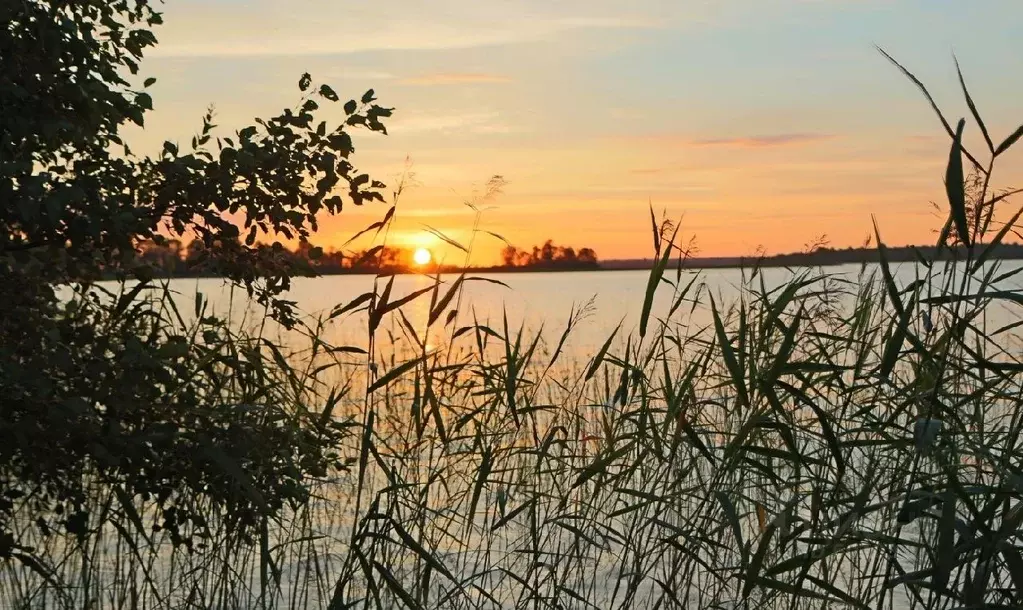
[973, 107]
[1004, 146]
[393, 374]
[599, 358]
[956, 187]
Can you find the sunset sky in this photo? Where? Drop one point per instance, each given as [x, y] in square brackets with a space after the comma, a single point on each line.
[765, 122]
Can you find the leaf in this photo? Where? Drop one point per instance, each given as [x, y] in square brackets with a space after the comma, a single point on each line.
[956, 187]
[128, 297]
[920, 86]
[498, 236]
[376, 312]
[350, 107]
[357, 301]
[656, 231]
[728, 354]
[367, 255]
[1004, 146]
[393, 374]
[418, 549]
[347, 349]
[384, 308]
[305, 81]
[446, 239]
[601, 463]
[599, 358]
[129, 509]
[149, 82]
[442, 304]
[395, 586]
[33, 564]
[489, 280]
[367, 97]
[753, 571]
[327, 93]
[656, 273]
[376, 225]
[973, 107]
[512, 514]
[733, 521]
[486, 464]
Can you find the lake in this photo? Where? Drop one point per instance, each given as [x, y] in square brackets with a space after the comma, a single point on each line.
[546, 300]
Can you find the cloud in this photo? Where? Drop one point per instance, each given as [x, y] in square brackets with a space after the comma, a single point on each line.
[455, 78]
[265, 28]
[476, 123]
[681, 140]
[643, 171]
[780, 139]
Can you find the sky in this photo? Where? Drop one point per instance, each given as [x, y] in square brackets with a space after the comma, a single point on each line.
[761, 124]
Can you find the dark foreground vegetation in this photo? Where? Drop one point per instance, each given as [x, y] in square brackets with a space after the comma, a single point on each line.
[828, 443]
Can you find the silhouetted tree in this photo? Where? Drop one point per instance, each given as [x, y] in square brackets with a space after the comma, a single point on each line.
[549, 255]
[106, 398]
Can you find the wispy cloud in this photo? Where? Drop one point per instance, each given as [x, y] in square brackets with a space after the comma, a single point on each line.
[455, 78]
[265, 28]
[779, 139]
[477, 123]
[682, 140]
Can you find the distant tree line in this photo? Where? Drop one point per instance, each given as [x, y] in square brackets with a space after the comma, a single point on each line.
[549, 256]
[833, 256]
[170, 257]
[173, 258]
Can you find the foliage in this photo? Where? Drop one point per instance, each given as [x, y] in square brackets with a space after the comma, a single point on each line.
[113, 395]
[171, 259]
[549, 255]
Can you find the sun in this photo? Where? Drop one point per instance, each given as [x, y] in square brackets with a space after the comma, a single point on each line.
[422, 256]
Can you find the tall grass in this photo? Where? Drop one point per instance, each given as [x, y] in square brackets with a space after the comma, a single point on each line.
[831, 442]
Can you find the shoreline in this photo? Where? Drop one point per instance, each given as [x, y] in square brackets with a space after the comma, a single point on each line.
[691, 265]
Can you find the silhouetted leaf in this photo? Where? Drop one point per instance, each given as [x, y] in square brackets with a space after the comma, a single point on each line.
[446, 239]
[955, 186]
[393, 374]
[598, 359]
[327, 93]
[973, 107]
[1008, 142]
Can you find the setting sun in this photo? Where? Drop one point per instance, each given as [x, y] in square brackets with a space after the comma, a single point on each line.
[422, 256]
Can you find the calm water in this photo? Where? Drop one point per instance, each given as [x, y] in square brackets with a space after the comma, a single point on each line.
[545, 300]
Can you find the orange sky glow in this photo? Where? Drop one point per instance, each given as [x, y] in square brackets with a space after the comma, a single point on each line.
[759, 124]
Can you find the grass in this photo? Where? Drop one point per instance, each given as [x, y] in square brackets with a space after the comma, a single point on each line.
[828, 443]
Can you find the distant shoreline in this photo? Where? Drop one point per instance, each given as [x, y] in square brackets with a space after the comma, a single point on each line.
[820, 258]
